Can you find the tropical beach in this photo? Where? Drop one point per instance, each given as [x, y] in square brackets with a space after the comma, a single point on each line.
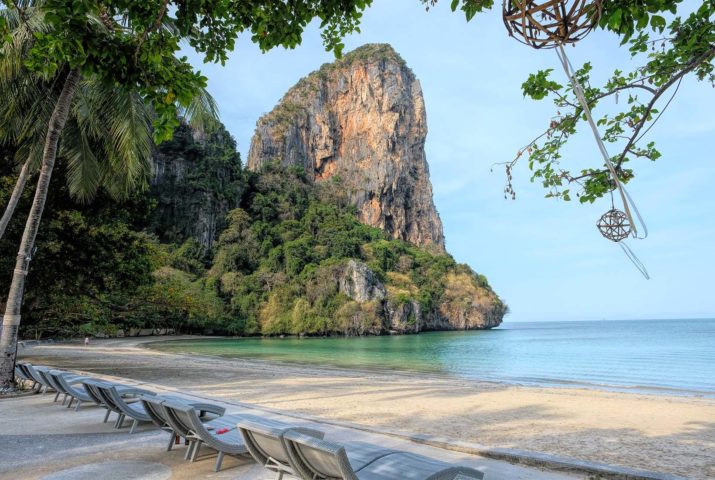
[357, 239]
[673, 434]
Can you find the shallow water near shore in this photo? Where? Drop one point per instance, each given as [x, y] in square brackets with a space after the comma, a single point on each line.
[656, 356]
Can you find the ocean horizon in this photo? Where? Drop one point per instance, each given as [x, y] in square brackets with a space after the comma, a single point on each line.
[673, 357]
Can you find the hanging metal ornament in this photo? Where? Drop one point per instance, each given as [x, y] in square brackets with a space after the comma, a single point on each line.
[614, 225]
[550, 23]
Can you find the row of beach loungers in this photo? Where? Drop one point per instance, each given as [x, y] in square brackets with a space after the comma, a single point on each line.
[282, 448]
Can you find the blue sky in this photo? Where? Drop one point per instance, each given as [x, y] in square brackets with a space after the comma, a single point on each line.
[544, 257]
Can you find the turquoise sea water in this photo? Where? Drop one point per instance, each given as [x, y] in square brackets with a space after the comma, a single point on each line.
[668, 356]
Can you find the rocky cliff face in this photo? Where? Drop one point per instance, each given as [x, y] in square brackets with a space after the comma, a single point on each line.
[465, 305]
[359, 122]
[196, 181]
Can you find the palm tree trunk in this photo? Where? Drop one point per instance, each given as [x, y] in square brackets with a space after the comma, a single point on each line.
[11, 320]
[15, 197]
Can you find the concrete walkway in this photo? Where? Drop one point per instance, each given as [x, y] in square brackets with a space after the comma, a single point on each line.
[40, 439]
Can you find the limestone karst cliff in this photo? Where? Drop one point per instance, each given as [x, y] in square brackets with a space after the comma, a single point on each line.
[359, 122]
[195, 181]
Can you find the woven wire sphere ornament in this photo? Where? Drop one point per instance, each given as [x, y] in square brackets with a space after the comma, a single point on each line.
[614, 225]
[549, 23]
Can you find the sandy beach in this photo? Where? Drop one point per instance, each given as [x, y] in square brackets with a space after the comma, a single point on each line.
[653, 432]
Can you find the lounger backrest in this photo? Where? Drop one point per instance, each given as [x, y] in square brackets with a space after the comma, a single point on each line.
[23, 368]
[46, 379]
[101, 389]
[19, 372]
[264, 438]
[110, 392]
[188, 416]
[35, 374]
[321, 458]
[155, 410]
[264, 446]
[58, 380]
[175, 419]
[90, 386]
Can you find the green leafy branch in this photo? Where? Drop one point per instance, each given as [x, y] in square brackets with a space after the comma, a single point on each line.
[688, 48]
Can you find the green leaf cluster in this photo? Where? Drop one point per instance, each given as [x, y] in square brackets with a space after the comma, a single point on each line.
[665, 49]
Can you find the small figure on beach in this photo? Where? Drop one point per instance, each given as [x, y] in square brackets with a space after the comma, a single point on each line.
[86, 341]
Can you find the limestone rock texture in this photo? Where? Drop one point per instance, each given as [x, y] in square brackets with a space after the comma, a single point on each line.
[358, 282]
[360, 123]
[195, 182]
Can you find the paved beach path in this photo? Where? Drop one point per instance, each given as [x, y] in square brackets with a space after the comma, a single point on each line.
[660, 433]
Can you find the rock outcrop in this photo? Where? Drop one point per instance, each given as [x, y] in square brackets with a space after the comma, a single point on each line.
[359, 122]
[465, 305]
[358, 282]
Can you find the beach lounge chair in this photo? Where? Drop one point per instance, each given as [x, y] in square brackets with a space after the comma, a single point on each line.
[120, 402]
[33, 371]
[317, 459]
[185, 420]
[264, 441]
[153, 404]
[41, 375]
[93, 390]
[36, 386]
[67, 378]
[67, 386]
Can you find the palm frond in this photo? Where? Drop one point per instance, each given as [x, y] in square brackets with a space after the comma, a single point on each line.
[130, 150]
[202, 113]
[84, 175]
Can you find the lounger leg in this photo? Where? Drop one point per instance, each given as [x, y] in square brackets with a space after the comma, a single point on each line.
[219, 461]
[280, 475]
[134, 426]
[119, 422]
[64, 399]
[195, 453]
[189, 450]
[172, 437]
[106, 416]
[69, 405]
[57, 396]
[79, 402]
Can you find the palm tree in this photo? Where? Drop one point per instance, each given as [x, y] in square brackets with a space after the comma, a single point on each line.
[99, 113]
[106, 140]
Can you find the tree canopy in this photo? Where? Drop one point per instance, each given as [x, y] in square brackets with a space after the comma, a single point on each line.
[136, 44]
